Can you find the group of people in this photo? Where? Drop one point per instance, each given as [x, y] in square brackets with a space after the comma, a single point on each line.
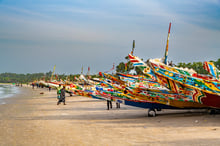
[109, 101]
[61, 97]
[109, 104]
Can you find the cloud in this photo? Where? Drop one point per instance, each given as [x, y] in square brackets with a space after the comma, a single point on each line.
[99, 33]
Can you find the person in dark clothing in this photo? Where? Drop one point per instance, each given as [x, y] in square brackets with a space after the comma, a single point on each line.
[49, 88]
[62, 96]
[109, 104]
[117, 105]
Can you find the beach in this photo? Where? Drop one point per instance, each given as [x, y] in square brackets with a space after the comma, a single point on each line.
[33, 118]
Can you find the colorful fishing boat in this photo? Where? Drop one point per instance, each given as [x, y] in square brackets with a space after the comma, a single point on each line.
[146, 95]
[203, 89]
[199, 88]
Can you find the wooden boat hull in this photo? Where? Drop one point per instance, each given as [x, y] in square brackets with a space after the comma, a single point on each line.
[199, 90]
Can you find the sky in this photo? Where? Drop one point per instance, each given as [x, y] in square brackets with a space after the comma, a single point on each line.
[35, 35]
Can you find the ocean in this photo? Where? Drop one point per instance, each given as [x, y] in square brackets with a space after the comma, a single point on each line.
[7, 91]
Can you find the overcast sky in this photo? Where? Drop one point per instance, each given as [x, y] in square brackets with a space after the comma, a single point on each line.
[35, 35]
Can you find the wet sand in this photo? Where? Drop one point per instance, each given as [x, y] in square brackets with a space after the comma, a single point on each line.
[32, 118]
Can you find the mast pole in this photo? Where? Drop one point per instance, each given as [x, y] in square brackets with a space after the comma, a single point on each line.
[133, 46]
[166, 51]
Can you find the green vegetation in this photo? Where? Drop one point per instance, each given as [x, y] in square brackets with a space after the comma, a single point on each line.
[27, 78]
[21, 78]
[198, 66]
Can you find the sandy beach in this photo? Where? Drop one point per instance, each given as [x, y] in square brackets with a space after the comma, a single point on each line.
[32, 118]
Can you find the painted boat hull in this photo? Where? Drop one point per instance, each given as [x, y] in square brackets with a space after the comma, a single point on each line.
[202, 91]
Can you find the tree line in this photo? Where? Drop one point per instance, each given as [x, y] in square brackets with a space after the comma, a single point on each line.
[27, 78]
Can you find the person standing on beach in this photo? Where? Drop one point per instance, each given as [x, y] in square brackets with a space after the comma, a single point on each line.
[49, 88]
[32, 85]
[109, 103]
[117, 105]
[62, 96]
[59, 91]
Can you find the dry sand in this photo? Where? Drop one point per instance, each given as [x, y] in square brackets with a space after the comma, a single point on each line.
[31, 119]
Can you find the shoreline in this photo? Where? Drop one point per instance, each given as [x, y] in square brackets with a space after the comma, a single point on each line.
[19, 92]
[32, 118]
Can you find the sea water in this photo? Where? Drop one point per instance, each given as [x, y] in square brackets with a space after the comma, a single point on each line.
[7, 91]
